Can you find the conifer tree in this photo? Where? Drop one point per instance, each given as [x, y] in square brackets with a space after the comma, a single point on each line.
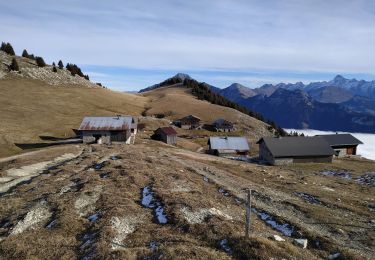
[7, 47]
[54, 68]
[25, 54]
[40, 62]
[14, 65]
[61, 64]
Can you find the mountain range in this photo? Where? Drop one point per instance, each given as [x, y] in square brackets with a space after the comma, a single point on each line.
[340, 104]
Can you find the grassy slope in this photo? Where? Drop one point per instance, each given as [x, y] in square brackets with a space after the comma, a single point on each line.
[177, 101]
[30, 108]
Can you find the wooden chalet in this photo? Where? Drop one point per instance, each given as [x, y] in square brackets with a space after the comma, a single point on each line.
[166, 134]
[104, 130]
[222, 125]
[189, 122]
[231, 145]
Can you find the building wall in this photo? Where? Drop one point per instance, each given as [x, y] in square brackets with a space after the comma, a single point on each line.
[224, 152]
[118, 136]
[265, 154]
[106, 137]
[320, 159]
[189, 126]
[103, 137]
[345, 150]
[283, 161]
[223, 129]
[171, 139]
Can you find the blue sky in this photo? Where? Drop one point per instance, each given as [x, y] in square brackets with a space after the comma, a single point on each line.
[128, 45]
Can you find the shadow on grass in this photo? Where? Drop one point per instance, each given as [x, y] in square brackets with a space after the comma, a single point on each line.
[27, 146]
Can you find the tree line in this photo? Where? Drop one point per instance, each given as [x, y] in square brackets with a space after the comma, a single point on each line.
[202, 91]
[72, 68]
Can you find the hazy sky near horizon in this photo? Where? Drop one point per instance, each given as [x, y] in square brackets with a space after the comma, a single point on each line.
[128, 45]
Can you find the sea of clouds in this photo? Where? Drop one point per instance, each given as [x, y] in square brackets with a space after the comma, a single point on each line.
[367, 149]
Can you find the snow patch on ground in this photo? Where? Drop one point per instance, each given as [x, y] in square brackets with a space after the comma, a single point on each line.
[37, 215]
[86, 202]
[67, 188]
[123, 227]
[181, 187]
[199, 216]
[27, 172]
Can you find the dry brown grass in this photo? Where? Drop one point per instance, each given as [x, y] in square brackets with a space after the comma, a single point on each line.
[176, 184]
[178, 102]
[30, 108]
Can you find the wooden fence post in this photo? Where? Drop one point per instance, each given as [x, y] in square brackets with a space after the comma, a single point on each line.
[248, 213]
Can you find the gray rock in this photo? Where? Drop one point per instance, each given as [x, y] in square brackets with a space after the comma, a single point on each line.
[334, 256]
[301, 243]
[277, 238]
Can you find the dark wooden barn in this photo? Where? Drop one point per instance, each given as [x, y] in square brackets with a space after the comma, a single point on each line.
[222, 125]
[189, 122]
[292, 149]
[166, 134]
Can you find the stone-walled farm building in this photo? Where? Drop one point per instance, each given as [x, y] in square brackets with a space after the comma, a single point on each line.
[285, 150]
[189, 122]
[231, 145]
[104, 130]
[222, 125]
[166, 134]
[342, 144]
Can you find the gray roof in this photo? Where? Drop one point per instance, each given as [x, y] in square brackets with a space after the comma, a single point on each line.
[222, 122]
[228, 143]
[292, 146]
[340, 139]
[117, 123]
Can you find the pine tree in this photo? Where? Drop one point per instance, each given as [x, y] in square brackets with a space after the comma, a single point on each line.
[25, 54]
[7, 47]
[40, 62]
[54, 68]
[61, 64]
[14, 65]
[53, 64]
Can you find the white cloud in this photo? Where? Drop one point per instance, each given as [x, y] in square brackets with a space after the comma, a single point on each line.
[313, 35]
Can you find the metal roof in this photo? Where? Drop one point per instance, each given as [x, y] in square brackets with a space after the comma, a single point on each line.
[228, 143]
[222, 122]
[117, 123]
[167, 130]
[293, 146]
[190, 118]
[340, 139]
